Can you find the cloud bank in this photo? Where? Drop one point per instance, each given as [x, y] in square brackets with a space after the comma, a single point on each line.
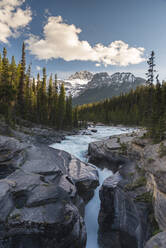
[61, 40]
[12, 18]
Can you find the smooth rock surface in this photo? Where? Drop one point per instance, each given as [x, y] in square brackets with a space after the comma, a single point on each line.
[40, 198]
[158, 241]
[121, 217]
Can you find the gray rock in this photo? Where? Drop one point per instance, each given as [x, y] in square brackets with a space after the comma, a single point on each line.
[12, 155]
[106, 154]
[122, 222]
[6, 202]
[85, 177]
[41, 199]
[158, 241]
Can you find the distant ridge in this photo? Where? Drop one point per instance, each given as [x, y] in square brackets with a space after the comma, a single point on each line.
[86, 87]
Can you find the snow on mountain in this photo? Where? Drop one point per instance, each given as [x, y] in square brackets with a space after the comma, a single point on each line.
[104, 86]
[76, 83]
[82, 75]
[82, 82]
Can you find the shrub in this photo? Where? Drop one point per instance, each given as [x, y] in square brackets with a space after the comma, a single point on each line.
[123, 148]
[150, 160]
[141, 181]
[145, 197]
[162, 150]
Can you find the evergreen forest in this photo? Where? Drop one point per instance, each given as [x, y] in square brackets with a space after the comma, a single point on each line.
[146, 106]
[42, 101]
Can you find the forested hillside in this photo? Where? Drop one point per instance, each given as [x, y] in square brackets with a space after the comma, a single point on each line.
[24, 97]
[146, 106]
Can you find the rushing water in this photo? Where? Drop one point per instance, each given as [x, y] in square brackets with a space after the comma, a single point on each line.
[77, 145]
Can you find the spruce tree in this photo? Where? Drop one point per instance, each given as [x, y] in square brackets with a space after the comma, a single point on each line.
[61, 107]
[54, 112]
[50, 98]
[6, 88]
[21, 86]
[43, 98]
[13, 71]
[68, 116]
[75, 118]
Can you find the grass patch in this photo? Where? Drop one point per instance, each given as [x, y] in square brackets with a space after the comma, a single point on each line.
[140, 182]
[123, 148]
[145, 197]
[15, 217]
[150, 160]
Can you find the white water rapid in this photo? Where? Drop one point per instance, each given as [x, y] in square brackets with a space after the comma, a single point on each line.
[77, 145]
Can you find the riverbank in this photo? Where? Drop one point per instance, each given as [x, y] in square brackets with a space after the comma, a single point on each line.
[42, 191]
[35, 134]
[133, 199]
[78, 146]
[46, 189]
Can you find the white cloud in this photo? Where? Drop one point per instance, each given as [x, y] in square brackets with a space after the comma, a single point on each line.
[38, 68]
[61, 40]
[12, 18]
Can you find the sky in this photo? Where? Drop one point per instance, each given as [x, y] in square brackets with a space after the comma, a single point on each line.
[66, 36]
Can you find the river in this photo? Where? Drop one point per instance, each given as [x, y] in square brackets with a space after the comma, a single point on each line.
[77, 145]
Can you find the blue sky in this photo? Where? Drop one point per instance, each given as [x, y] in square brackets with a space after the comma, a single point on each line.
[62, 34]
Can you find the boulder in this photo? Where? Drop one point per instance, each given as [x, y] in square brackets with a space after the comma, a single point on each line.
[122, 221]
[94, 130]
[12, 155]
[85, 177]
[158, 241]
[109, 153]
[41, 200]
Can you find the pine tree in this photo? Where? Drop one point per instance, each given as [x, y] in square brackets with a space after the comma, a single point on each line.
[50, 98]
[61, 107]
[43, 99]
[54, 112]
[68, 116]
[75, 118]
[151, 71]
[13, 71]
[21, 86]
[6, 89]
[28, 94]
[38, 100]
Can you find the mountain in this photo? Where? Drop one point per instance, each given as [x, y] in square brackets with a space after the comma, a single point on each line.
[86, 87]
[76, 83]
[104, 86]
[82, 75]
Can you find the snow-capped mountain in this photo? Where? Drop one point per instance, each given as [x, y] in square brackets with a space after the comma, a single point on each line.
[76, 83]
[82, 75]
[102, 79]
[86, 87]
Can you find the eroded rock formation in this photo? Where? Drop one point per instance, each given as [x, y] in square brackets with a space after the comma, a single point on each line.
[41, 196]
[132, 204]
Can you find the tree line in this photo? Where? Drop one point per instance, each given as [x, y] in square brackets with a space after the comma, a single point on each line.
[146, 106]
[36, 100]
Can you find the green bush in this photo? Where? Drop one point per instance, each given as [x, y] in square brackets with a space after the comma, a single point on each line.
[141, 181]
[123, 148]
[162, 150]
[145, 197]
[150, 160]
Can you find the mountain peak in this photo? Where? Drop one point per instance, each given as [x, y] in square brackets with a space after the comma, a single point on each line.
[82, 75]
[123, 77]
[104, 86]
[86, 87]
